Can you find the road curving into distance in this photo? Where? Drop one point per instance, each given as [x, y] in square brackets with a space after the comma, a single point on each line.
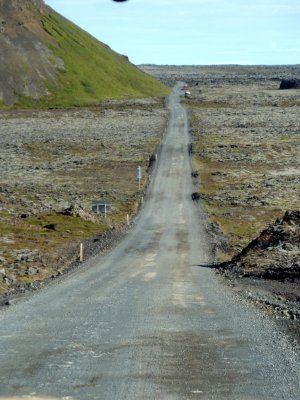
[145, 321]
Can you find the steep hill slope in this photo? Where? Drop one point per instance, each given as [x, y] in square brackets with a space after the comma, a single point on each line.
[45, 60]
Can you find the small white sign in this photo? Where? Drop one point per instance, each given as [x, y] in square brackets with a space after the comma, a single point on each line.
[139, 173]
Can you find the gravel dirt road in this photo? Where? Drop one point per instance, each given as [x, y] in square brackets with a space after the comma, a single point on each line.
[145, 321]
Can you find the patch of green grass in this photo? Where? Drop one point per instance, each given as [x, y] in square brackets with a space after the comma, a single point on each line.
[47, 231]
[92, 71]
[38, 151]
[289, 103]
[73, 227]
[4, 106]
[240, 224]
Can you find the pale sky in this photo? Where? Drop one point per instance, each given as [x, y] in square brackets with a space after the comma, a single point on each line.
[192, 31]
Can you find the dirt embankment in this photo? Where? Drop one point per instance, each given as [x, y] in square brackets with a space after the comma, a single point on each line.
[274, 254]
[267, 270]
[54, 164]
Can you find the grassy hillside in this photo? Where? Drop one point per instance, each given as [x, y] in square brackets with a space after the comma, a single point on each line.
[93, 71]
[51, 62]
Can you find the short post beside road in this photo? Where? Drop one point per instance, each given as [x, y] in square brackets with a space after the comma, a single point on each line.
[81, 253]
[139, 175]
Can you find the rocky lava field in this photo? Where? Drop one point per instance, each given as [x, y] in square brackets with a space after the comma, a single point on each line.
[54, 164]
[245, 146]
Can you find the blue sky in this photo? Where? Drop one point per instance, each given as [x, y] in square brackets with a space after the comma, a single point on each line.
[192, 31]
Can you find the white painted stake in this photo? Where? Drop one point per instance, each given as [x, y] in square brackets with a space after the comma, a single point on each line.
[139, 175]
[81, 252]
[128, 221]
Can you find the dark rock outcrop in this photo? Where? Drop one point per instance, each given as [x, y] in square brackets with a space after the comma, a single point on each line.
[290, 84]
[274, 254]
[24, 56]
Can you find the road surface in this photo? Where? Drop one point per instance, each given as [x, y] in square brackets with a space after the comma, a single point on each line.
[145, 321]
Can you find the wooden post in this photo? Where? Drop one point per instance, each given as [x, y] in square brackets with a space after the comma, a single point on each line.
[81, 253]
[128, 221]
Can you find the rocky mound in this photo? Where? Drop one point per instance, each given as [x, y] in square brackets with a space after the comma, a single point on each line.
[274, 254]
[48, 61]
[290, 84]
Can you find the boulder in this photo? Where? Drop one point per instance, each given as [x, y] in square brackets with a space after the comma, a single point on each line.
[290, 84]
[32, 271]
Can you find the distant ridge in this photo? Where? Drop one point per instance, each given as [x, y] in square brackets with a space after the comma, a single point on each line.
[47, 61]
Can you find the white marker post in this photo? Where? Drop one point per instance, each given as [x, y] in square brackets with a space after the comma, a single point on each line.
[128, 220]
[81, 253]
[139, 175]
